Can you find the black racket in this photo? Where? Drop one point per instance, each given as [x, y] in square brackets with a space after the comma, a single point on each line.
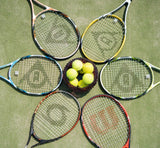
[55, 116]
[34, 74]
[54, 32]
[105, 122]
[128, 77]
[105, 36]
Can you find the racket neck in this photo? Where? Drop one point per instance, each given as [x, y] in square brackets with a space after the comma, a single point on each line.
[31, 131]
[126, 5]
[7, 65]
[155, 70]
[41, 142]
[32, 10]
[41, 5]
[36, 3]
[125, 12]
[127, 145]
[8, 80]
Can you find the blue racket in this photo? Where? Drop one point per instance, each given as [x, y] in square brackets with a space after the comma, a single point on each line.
[34, 74]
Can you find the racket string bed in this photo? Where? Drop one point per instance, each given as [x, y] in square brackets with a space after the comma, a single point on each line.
[43, 126]
[103, 38]
[51, 122]
[126, 78]
[36, 75]
[53, 37]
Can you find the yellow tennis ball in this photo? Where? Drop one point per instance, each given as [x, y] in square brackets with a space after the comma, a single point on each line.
[71, 73]
[74, 82]
[77, 65]
[81, 84]
[88, 78]
[88, 67]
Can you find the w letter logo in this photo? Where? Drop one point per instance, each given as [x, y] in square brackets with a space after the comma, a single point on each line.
[104, 120]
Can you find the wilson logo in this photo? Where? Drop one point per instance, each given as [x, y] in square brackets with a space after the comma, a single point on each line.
[104, 120]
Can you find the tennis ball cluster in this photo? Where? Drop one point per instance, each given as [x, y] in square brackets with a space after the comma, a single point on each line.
[83, 69]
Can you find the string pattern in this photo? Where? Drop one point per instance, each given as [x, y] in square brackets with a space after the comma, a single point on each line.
[126, 78]
[103, 38]
[55, 34]
[56, 115]
[36, 75]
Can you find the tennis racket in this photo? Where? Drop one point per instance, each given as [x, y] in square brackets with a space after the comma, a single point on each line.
[54, 33]
[34, 74]
[105, 122]
[105, 36]
[55, 116]
[128, 77]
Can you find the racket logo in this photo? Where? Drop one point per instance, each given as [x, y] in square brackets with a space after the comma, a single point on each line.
[104, 120]
[126, 80]
[105, 40]
[36, 77]
[58, 34]
[56, 114]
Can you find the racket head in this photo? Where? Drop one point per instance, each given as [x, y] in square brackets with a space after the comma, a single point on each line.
[54, 117]
[126, 77]
[35, 75]
[54, 33]
[105, 122]
[103, 39]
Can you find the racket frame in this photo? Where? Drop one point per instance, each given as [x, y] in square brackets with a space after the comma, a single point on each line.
[148, 65]
[32, 132]
[111, 13]
[11, 65]
[47, 8]
[127, 144]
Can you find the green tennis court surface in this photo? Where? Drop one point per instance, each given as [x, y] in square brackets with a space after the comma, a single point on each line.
[143, 41]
